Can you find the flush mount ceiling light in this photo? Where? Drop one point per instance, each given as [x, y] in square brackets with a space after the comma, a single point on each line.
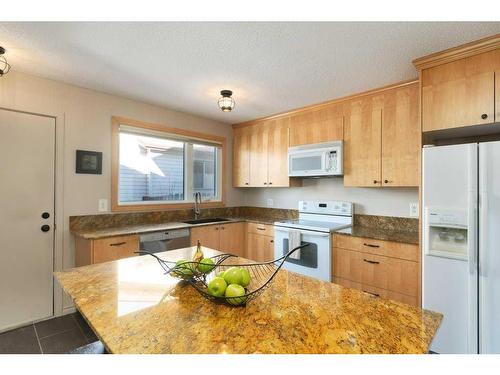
[4, 65]
[226, 103]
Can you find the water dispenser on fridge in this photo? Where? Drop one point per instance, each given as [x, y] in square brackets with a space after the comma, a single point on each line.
[446, 233]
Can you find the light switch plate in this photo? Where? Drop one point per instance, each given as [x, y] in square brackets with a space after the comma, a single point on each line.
[103, 205]
[414, 209]
[270, 202]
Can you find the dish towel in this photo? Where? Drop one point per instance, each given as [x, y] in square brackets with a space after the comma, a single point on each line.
[294, 240]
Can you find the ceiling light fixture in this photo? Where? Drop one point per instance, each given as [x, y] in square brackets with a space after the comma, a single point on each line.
[226, 103]
[4, 65]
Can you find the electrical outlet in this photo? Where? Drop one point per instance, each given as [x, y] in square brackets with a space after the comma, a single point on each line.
[414, 209]
[103, 205]
[270, 202]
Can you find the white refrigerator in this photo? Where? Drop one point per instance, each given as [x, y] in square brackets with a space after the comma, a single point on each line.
[461, 245]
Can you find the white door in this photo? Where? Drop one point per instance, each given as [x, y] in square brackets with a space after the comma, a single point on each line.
[449, 286]
[26, 194]
[489, 247]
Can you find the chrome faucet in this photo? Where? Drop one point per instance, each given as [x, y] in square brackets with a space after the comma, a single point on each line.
[197, 203]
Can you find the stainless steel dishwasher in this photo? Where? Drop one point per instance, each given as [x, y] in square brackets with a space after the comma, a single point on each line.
[156, 242]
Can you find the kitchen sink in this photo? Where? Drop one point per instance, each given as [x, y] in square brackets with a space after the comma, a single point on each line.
[205, 221]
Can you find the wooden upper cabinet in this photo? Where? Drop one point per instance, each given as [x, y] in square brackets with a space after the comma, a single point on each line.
[362, 143]
[497, 97]
[258, 154]
[401, 138]
[241, 157]
[277, 156]
[317, 125]
[461, 92]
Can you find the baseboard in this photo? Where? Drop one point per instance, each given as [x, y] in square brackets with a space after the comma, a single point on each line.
[68, 310]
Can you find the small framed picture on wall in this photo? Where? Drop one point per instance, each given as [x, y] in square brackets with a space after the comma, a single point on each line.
[89, 162]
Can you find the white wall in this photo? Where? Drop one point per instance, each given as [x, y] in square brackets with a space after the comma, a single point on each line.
[87, 123]
[370, 201]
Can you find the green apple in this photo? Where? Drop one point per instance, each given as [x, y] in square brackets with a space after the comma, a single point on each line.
[184, 268]
[221, 274]
[206, 265]
[245, 279]
[217, 287]
[232, 292]
[233, 275]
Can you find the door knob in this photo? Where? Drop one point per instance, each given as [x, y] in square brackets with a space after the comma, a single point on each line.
[45, 215]
[45, 228]
[484, 116]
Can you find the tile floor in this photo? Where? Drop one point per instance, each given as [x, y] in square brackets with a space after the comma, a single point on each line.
[57, 335]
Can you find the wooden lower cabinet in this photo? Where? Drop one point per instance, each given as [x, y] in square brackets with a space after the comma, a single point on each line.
[105, 249]
[378, 274]
[228, 238]
[208, 235]
[260, 242]
[232, 238]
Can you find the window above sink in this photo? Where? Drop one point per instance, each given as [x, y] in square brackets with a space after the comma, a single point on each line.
[155, 167]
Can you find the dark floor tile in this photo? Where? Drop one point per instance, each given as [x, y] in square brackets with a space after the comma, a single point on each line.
[87, 331]
[63, 342]
[19, 341]
[55, 325]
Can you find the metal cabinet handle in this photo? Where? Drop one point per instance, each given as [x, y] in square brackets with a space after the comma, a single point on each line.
[376, 181]
[246, 183]
[371, 261]
[222, 228]
[45, 228]
[370, 245]
[373, 294]
[484, 116]
[270, 183]
[216, 228]
[272, 241]
[387, 182]
[45, 215]
[265, 183]
[261, 228]
[117, 244]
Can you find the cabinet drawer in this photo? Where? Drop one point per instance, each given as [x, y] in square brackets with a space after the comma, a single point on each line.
[114, 248]
[377, 292]
[262, 229]
[392, 274]
[377, 247]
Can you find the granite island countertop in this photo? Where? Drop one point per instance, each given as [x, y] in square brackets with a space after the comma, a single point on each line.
[134, 308]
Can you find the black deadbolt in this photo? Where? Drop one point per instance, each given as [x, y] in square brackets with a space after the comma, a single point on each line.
[45, 228]
[45, 215]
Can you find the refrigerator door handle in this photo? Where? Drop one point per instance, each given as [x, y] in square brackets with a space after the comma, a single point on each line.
[483, 220]
[472, 232]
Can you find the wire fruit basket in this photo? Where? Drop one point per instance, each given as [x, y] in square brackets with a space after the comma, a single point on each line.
[261, 275]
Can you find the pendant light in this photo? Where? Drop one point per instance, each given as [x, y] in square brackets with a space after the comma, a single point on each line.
[226, 102]
[4, 65]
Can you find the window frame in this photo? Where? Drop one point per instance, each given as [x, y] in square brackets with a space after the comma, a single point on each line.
[116, 206]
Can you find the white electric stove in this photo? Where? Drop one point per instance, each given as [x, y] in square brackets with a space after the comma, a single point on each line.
[317, 220]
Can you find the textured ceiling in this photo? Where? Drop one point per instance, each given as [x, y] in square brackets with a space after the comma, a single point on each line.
[271, 67]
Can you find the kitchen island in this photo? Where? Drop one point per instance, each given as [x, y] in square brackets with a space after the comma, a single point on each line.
[134, 308]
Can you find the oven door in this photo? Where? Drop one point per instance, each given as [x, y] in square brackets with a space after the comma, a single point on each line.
[315, 259]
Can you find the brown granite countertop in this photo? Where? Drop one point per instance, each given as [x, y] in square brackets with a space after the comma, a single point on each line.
[96, 233]
[410, 237]
[134, 308]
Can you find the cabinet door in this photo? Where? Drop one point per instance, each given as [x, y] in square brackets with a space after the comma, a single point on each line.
[401, 139]
[232, 238]
[347, 264]
[497, 95]
[460, 93]
[258, 155]
[316, 126]
[278, 153]
[208, 236]
[114, 248]
[362, 144]
[269, 249]
[241, 157]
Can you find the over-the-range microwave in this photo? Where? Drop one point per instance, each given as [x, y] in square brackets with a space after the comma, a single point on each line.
[315, 160]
